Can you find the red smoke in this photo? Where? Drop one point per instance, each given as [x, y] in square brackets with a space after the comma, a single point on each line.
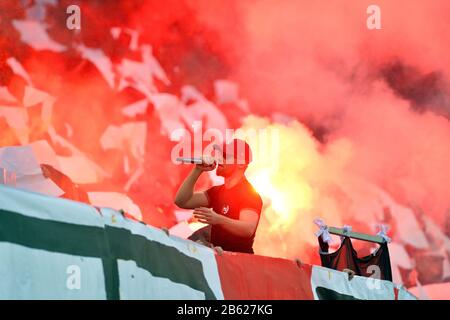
[319, 63]
[384, 91]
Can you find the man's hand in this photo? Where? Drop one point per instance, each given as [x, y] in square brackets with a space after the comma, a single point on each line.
[208, 164]
[244, 227]
[208, 216]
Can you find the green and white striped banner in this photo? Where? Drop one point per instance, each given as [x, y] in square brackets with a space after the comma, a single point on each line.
[52, 248]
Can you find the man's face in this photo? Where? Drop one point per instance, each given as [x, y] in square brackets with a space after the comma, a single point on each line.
[227, 167]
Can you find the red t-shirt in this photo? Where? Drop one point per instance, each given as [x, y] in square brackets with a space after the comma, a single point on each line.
[230, 202]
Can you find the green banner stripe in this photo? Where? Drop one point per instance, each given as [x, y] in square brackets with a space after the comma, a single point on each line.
[329, 294]
[109, 244]
[111, 272]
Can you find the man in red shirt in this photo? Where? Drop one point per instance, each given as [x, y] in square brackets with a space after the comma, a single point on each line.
[232, 209]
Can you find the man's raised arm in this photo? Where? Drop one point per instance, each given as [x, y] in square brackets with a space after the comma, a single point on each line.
[186, 198]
